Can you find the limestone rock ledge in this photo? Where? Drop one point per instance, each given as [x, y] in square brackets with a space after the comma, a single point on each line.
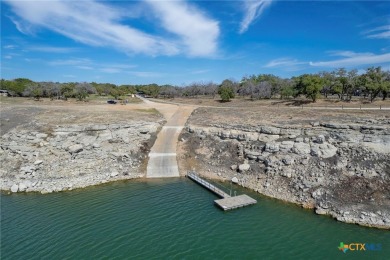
[342, 170]
[73, 156]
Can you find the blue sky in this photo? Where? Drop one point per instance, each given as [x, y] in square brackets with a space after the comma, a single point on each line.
[179, 42]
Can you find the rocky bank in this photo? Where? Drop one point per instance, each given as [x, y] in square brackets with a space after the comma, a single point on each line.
[339, 169]
[64, 157]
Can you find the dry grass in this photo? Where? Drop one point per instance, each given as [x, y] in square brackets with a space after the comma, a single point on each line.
[281, 115]
[20, 111]
[245, 102]
[91, 100]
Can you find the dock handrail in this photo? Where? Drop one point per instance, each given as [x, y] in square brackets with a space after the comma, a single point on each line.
[207, 185]
[227, 202]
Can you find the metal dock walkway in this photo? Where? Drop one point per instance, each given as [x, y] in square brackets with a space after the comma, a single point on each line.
[227, 202]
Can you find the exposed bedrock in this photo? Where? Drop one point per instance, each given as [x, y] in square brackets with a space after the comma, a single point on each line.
[342, 170]
[66, 157]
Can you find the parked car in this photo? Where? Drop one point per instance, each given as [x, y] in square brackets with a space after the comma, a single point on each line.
[111, 101]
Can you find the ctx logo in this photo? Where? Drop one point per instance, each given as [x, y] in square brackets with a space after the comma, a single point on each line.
[353, 247]
[359, 247]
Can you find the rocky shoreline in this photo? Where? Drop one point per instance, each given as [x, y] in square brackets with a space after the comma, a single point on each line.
[43, 158]
[338, 169]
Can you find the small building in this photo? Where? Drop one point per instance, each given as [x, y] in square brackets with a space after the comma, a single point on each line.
[4, 93]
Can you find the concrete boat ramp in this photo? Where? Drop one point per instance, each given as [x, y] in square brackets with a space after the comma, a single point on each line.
[162, 157]
[227, 202]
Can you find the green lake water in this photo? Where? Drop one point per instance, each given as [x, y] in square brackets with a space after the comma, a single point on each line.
[171, 219]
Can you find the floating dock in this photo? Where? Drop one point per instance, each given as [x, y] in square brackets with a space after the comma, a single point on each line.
[235, 202]
[227, 202]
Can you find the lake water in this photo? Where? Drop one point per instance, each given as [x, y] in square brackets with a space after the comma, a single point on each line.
[170, 219]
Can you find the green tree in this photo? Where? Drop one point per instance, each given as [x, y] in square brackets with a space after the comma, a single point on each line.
[99, 88]
[309, 85]
[287, 92]
[12, 87]
[81, 91]
[386, 85]
[226, 90]
[375, 82]
[17, 86]
[33, 90]
[127, 89]
[115, 93]
[152, 90]
[67, 90]
[328, 81]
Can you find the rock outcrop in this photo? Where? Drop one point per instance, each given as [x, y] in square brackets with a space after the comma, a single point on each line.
[73, 156]
[341, 170]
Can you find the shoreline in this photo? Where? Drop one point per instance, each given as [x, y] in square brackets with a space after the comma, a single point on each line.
[335, 169]
[142, 178]
[306, 162]
[57, 158]
[309, 207]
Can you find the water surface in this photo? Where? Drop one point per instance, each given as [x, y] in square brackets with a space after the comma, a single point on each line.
[170, 218]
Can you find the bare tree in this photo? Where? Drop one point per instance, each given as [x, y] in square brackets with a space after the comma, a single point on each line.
[33, 90]
[211, 89]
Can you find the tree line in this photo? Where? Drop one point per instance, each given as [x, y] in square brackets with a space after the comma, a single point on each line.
[23, 87]
[341, 83]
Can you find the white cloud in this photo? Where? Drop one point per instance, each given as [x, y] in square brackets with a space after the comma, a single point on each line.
[110, 70]
[10, 47]
[345, 59]
[197, 32]
[121, 66]
[51, 49]
[89, 22]
[381, 32]
[292, 64]
[71, 62]
[114, 68]
[23, 26]
[87, 64]
[348, 54]
[196, 72]
[353, 59]
[253, 10]
[146, 74]
[9, 57]
[83, 67]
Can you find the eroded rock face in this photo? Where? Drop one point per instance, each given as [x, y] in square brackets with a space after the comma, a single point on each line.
[244, 167]
[73, 156]
[341, 170]
[271, 147]
[76, 148]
